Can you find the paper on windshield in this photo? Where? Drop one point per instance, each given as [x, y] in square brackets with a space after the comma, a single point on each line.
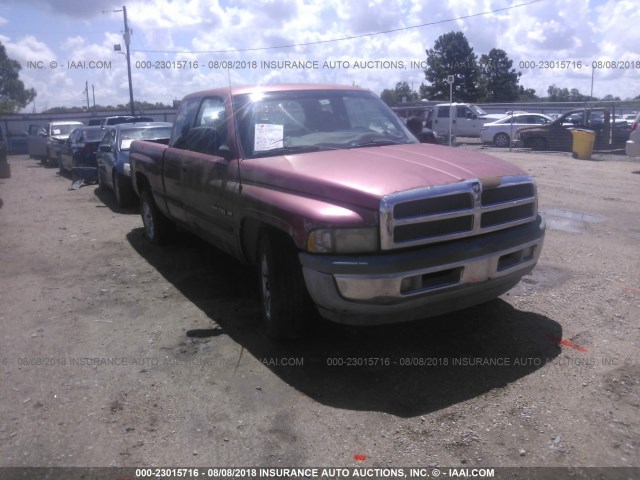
[268, 137]
[126, 143]
[56, 131]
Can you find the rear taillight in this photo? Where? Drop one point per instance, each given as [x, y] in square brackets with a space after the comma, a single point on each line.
[634, 127]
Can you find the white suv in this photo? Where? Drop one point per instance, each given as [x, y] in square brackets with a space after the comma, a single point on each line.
[633, 144]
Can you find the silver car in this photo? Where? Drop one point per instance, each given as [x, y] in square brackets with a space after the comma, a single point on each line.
[44, 142]
[632, 146]
[501, 132]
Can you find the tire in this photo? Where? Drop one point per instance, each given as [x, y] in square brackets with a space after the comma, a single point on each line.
[122, 191]
[538, 144]
[60, 169]
[47, 158]
[501, 140]
[157, 228]
[101, 185]
[284, 298]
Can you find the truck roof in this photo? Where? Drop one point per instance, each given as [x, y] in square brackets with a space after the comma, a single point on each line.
[282, 87]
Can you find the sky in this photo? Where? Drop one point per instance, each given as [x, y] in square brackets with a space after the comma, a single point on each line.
[64, 45]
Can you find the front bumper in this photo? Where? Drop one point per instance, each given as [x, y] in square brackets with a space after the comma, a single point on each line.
[422, 282]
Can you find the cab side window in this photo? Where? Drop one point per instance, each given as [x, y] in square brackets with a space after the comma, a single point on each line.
[107, 139]
[443, 112]
[184, 122]
[209, 132]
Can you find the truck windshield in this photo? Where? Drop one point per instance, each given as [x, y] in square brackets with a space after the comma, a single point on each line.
[288, 122]
[64, 129]
[478, 111]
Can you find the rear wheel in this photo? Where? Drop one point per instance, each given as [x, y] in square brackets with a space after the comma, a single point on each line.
[286, 305]
[157, 228]
[60, 168]
[101, 184]
[51, 161]
[501, 140]
[538, 144]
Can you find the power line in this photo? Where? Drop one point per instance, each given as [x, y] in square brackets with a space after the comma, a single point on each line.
[343, 38]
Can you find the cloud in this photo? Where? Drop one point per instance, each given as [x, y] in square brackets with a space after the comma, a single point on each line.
[72, 8]
[573, 30]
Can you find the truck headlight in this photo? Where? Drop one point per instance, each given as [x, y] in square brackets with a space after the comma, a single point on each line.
[343, 240]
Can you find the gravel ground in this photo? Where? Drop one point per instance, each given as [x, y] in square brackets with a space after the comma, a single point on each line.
[115, 352]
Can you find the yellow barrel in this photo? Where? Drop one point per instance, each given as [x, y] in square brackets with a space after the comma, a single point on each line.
[583, 143]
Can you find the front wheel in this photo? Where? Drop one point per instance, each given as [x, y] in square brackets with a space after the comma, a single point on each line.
[47, 158]
[501, 140]
[101, 184]
[157, 228]
[283, 294]
[123, 191]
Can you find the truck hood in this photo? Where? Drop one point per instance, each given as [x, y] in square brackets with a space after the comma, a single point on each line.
[362, 176]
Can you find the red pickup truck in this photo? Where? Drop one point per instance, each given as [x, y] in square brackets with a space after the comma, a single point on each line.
[338, 206]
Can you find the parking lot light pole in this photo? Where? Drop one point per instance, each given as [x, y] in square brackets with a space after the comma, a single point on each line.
[450, 80]
[127, 40]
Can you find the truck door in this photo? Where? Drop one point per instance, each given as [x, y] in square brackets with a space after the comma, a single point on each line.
[441, 120]
[36, 141]
[176, 162]
[467, 122]
[212, 175]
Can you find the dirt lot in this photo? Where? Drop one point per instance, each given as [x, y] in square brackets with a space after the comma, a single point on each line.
[115, 352]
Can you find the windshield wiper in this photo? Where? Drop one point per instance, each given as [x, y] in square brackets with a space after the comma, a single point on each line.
[287, 150]
[375, 143]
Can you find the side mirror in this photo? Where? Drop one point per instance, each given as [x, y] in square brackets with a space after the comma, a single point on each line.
[225, 152]
[474, 117]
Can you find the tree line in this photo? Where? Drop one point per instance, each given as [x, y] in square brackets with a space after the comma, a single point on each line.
[138, 106]
[488, 79]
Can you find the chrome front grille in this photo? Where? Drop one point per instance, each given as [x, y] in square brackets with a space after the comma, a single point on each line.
[430, 215]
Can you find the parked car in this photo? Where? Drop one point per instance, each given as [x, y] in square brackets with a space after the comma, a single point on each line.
[466, 121]
[5, 169]
[633, 144]
[79, 150]
[557, 134]
[501, 132]
[44, 142]
[118, 119]
[114, 171]
[16, 142]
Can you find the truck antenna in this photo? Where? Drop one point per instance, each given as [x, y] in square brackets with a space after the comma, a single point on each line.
[235, 129]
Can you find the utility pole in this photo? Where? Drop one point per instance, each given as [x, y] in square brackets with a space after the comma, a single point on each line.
[93, 91]
[86, 90]
[127, 40]
[450, 80]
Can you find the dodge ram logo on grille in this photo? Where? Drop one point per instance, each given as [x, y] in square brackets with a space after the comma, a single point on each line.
[476, 191]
